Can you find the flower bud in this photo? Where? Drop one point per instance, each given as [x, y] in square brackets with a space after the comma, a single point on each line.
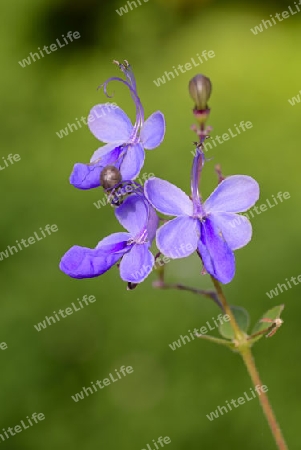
[109, 177]
[200, 91]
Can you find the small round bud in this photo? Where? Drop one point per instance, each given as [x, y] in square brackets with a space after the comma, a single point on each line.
[200, 90]
[109, 177]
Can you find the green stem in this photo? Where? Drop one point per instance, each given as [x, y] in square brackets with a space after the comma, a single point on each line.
[239, 335]
[263, 398]
[243, 347]
[180, 287]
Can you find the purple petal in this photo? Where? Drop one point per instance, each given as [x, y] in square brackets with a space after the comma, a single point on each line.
[86, 176]
[153, 222]
[132, 162]
[114, 243]
[153, 130]
[167, 198]
[218, 259]
[137, 264]
[111, 124]
[179, 237]
[81, 262]
[105, 150]
[236, 229]
[133, 214]
[234, 194]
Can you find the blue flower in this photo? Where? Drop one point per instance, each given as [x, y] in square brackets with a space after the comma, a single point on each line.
[211, 228]
[124, 143]
[138, 217]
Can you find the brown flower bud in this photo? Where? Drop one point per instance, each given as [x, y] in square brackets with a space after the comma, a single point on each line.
[200, 90]
[109, 177]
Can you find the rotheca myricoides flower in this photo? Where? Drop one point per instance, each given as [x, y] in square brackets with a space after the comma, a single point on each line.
[124, 143]
[202, 227]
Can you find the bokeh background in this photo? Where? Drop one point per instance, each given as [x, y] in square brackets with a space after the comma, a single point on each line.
[170, 392]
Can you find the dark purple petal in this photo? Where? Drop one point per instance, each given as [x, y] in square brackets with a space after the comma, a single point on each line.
[137, 264]
[111, 124]
[236, 229]
[167, 198]
[114, 243]
[218, 259]
[81, 262]
[86, 176]
[153, 130]
[234, 194]
[133, 214]
[132, 162]
[107, 151]
[179, 237]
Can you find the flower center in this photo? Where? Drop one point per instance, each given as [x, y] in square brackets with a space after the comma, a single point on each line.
[141, 238]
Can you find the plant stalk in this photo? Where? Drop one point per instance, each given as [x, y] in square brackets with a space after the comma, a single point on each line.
[263, 398]
[243, 347]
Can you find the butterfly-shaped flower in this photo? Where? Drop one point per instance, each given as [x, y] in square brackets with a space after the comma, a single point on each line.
[213, 229]
[138, 217]
[124, 143]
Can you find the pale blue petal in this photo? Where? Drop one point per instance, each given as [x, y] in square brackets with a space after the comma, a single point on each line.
[235, 194]
[132, 162]
[153, 222]
[137, 264]
[179, 237]
[133, 214]
[236, 229]
[167, 198]
[153, 131]
[110, 124]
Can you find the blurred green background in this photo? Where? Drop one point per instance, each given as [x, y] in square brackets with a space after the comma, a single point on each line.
[170, 392]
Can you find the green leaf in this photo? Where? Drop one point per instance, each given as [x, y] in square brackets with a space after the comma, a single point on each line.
[242, 318]
[271, 314]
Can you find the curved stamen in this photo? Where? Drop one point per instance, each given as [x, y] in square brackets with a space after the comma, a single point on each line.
[139, 108]
[128, 71]
[126, 68]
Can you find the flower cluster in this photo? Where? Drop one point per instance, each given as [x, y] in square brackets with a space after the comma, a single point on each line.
[202, 227]
[116, 164]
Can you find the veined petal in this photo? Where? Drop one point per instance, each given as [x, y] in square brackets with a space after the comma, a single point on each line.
[82, 262]
[167, 198]
[132, 162]
[179, 237]
[153, 131]
[110, 151]
[111, 124]
[86, 176]
[133, 214]
[236, 193]
[236, 229]
[114, 243]
[218, 258]
[137, 264]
